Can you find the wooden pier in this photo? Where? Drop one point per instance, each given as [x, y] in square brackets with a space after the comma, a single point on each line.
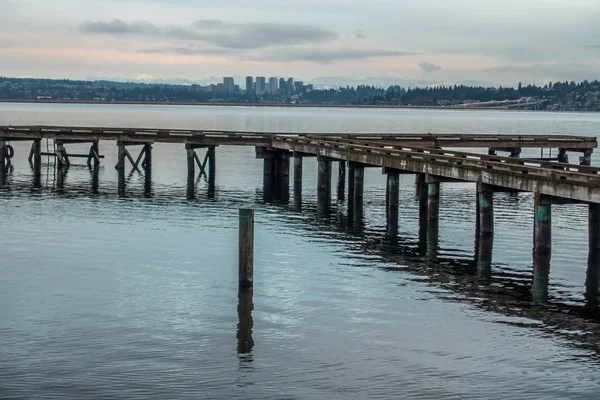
[433, 158]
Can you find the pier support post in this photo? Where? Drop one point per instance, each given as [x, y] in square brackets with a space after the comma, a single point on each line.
[359, 182]
[191, 170]
[212, 166]
[592, 281]
[542, 234]
[283, 171]
[562, 156]
[341, 180]
[62, 158]
[486, 210]
[147, 165]
[297, 172]
[351, 177]
[393, 199]
[324, 180]
[586, 159]
[268, 177]
[37, 163]
[246, 248]
[421, 191]
[2, 162]
[433, 199]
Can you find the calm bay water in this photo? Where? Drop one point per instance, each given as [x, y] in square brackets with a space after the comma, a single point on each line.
[107, 296]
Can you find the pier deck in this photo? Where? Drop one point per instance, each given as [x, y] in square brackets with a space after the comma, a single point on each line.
[433, 158]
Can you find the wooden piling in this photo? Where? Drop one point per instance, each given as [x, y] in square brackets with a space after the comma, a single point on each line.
[147, 165]
[433, 200]
[37, 162]
[212, 165]
[284, 176]
[351, 177]
[542, 234]
[120, 156]
[246, 248]
[341, 189]
[324, 180]
[359, 182]
[486, 209]
[586, 159]
[563, 157]
[96, 152]
[2, 162]
[297, 172]
[392, 190]
[594, 227]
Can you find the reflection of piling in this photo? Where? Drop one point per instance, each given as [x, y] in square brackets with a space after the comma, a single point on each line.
[245, 343]
[541, 277]
[246, 248]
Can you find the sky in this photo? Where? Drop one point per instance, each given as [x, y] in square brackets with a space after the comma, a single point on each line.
[499, 42]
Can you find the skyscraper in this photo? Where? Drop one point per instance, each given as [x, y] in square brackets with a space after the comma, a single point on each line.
[273, 86]
[282, 86]
[249, 85]
[228, 85]
[260, 85]
[289, 87]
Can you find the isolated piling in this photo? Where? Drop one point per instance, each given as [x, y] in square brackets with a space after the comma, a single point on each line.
[246, 248]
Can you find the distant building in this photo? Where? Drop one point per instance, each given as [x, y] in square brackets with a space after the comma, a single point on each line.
[272, 86]
[289, 87]
[228, 85]
[299, 86]
[261, 85]
[249, 85]
[282, 86]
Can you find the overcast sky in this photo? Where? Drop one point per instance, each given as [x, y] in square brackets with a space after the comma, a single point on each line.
[495, 41]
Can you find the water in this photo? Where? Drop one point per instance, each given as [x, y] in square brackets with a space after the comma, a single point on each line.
[107, 296]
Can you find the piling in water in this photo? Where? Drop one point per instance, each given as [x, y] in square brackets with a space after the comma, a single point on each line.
[246, 248]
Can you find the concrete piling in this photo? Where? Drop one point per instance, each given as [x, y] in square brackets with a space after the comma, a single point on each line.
[246, 248]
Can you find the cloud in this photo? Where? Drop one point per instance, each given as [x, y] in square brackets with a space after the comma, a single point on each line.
[359, 35]
[596, 46]
[324, 56]
[219, 33]
[117, 27]
[188, 51]
[429, 67]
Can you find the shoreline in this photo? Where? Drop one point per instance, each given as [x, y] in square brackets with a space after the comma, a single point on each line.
[212, 104]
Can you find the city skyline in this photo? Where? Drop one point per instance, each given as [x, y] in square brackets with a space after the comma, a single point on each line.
[457, 41]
